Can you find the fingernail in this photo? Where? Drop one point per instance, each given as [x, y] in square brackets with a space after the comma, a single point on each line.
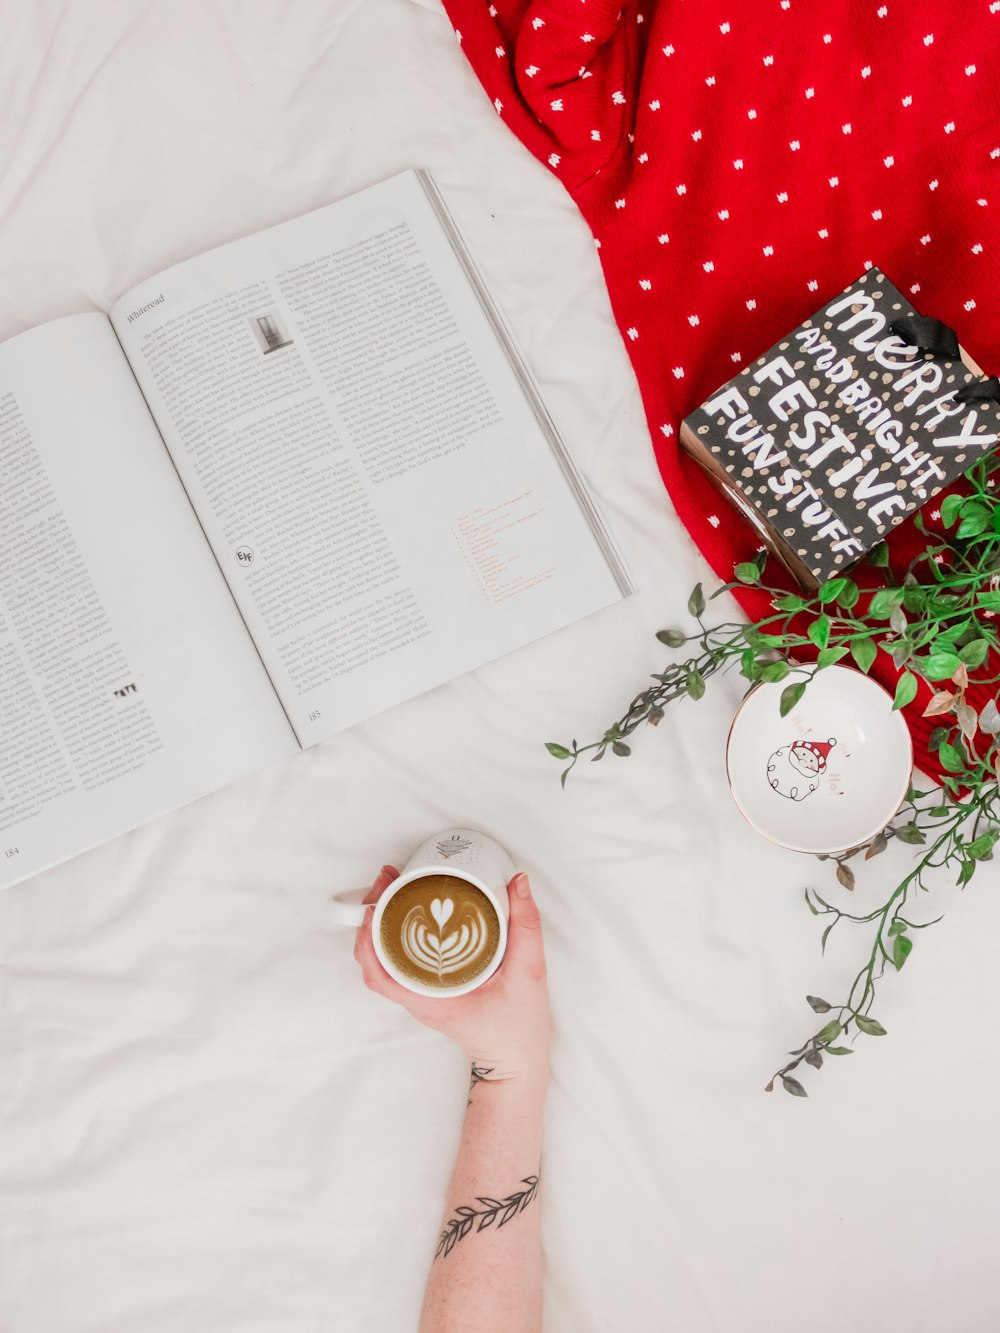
[520, 884]
[388, 870]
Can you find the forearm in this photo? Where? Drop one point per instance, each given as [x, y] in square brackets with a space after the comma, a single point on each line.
[487, 1271]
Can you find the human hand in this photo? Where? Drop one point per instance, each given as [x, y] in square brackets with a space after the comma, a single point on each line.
[502, 1026]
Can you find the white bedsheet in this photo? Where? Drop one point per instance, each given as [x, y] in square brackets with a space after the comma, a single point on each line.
[206, 1124]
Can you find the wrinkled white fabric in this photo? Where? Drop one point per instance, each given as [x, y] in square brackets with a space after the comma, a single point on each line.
[206, 1124]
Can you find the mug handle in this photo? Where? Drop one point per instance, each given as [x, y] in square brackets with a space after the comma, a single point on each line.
[347, 908]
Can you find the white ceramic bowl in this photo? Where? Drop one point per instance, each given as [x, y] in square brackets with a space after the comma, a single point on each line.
[828, 776]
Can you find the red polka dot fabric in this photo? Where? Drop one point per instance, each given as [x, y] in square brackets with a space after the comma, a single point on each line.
[739, 164]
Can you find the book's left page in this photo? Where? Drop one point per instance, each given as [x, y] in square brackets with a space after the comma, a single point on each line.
[381, 487]
[128, 682]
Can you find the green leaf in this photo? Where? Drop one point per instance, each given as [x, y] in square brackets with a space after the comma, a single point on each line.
[877, 845]
[747, 572]
[695, 684]
[849, 594]
[974, 653]
[831, 590]
[884, 602]
[696, 602]
[870, 1025]
[829, 656]
[966, 873]
[911, 833]
[790, 696]
[949, 509]
[897, 928]
[864, 652]
[951, 759]
[826, 935]
[938, 735]
[879, 556]
[793, 1086]
[621, 749]
[833, 1029]
[557, 751]
[673, 638]
[790, 602]
[906, 690]
[838, 1050]
[980, 848]
[974, 521]
[940, 666]
[817, 1005]
[902, 947]
[775, 671]
[819, 631]
[749, 666]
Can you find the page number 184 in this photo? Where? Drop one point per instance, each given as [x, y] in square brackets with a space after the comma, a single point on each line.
[11, 851]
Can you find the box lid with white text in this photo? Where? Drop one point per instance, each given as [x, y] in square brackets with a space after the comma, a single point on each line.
[839, 431]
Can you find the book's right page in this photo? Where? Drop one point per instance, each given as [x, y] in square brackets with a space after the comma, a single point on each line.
[380, 491]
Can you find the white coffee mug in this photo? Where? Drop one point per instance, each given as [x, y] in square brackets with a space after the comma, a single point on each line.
[467, 855]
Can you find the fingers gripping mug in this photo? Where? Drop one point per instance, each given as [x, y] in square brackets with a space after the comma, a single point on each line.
[440, 928]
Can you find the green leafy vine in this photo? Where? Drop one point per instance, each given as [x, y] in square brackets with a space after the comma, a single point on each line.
[936, 623]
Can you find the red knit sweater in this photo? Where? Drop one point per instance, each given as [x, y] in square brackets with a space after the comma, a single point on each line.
[740, 163]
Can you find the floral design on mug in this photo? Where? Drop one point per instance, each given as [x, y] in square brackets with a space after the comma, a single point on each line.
[427, 945]
[794, 770]
[453, 846]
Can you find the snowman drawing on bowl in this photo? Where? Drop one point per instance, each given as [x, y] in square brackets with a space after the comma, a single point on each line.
[794, 770]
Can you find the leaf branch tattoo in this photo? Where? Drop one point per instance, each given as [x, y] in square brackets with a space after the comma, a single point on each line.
[465, 1217]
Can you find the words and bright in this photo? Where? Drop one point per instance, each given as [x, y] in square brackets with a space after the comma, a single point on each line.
[807, 437]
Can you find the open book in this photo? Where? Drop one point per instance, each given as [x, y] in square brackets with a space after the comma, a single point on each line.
[285, 485]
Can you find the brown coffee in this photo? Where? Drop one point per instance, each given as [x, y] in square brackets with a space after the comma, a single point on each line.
[440, 930]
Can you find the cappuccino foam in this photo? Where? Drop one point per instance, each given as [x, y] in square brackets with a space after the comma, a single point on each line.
[440, 931]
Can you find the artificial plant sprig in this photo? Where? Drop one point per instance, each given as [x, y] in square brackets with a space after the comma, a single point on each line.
[936, 622]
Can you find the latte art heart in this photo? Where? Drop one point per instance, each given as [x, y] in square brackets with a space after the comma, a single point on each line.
[441, 911]
[426, 944]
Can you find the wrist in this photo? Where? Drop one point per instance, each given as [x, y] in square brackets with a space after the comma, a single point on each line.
[529, 1074]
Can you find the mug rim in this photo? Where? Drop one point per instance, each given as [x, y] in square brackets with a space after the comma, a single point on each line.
[418, 987]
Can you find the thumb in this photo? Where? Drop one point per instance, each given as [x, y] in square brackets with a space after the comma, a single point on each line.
[524, 930]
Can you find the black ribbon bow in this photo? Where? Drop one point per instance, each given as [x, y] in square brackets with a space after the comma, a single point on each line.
[931, 335]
